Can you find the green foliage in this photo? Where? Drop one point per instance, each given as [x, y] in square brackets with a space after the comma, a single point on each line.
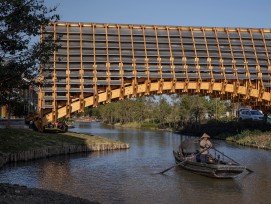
[20, 56]
[217, 108]
[173, 111]
[139, 110]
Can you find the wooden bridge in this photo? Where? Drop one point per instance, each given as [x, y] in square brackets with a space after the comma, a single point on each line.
[98, 63]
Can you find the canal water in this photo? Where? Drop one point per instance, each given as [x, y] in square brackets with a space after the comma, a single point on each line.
[131, 176]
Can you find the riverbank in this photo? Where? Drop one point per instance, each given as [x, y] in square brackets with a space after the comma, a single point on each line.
[143, 126]
[256, 138]
[25, 144]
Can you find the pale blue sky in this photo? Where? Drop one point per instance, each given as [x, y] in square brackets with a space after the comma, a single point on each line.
[209, 13]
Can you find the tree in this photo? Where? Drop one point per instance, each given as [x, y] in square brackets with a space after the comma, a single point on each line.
[192, 109]
[217, 108]
[21, 22]
[162, 111]
[186, 106]
[200, 107]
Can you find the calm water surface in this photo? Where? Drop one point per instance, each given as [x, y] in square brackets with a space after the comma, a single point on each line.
[130, 176]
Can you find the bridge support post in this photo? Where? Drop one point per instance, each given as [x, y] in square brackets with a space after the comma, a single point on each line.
[160, 86]
[211, 86]
[147, 87]
[198, 85]
[122, 93]
[95, 100]
[235, 88]
[185, 88]
[173, 86]
[82, 105]
[135, 87]
[223, 86]
[108, 95]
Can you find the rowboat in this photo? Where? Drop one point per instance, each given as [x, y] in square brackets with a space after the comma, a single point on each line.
[215, 167]
[189, 157]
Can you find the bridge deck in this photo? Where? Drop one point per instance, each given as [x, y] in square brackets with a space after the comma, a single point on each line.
[100, 62]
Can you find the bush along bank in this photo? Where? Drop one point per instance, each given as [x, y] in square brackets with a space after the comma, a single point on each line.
[24, 144]
[223, 129]
[254, 138]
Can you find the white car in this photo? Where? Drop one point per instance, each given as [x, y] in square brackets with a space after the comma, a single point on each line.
[251, 114]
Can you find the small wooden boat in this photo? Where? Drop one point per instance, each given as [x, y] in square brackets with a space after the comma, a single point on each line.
[215, 168]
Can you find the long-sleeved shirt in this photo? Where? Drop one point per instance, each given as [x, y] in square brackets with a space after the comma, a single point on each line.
[205, 144]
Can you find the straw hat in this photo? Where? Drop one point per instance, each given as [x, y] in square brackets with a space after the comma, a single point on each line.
[205, 136]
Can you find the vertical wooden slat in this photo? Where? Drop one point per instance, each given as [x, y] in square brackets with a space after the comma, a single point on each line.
[160, 88]
[209, 61]
[81, 72]
[259, 84]
[237, 83]
[266, 50]
[55, 108]
[68, 73]
[248, 83]
[196, 60]
[147, 81]
[121, 71]
[133, 57]
[268, 58]
[184, 61]
[220, 55]
[108, 88]
[95, 79]
[172, 66]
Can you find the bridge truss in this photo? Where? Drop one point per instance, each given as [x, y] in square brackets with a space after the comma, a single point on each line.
[98, 63]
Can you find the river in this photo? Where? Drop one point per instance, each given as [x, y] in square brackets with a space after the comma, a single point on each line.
[131, 176]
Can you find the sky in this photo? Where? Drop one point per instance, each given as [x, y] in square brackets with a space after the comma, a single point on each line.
[206, 13]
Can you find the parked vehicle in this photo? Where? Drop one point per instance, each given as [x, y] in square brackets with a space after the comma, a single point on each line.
[251, 114]
[242, 109]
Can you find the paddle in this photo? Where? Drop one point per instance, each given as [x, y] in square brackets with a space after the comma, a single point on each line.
[232, 160]
[180, 163]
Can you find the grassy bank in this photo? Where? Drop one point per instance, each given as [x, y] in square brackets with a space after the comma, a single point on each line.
[16, 140]
[254, 138]
[25, 144]
[142, 125]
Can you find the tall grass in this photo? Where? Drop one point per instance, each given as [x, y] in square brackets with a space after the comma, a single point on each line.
[254, 138]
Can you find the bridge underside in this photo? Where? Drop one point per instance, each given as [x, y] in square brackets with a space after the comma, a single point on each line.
[98, 63]
[225, 91]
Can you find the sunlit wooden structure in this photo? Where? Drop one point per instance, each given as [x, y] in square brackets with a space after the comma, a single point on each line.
[98, 63]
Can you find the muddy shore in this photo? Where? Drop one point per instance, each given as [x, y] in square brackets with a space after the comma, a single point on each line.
[15, 194]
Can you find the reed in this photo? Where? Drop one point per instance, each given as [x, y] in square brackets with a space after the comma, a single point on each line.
[254, 138]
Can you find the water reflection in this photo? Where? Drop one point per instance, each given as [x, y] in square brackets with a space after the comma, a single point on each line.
[130, 176]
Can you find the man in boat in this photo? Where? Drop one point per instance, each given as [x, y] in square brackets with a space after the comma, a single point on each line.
[205, 143]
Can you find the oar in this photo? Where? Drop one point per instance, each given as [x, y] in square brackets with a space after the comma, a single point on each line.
[232, 160]
[180, 163]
